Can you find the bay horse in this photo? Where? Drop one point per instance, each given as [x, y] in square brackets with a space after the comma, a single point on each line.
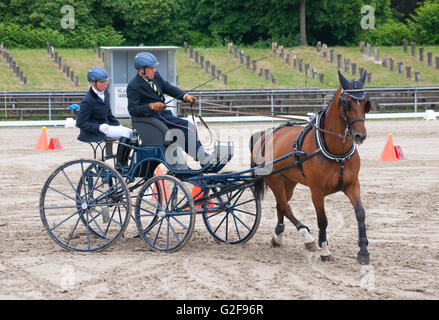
[325, 159]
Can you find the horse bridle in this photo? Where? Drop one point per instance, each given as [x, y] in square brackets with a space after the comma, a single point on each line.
[346, 105]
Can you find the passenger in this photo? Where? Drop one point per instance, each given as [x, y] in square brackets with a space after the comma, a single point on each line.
[145, 93]
[95, 119]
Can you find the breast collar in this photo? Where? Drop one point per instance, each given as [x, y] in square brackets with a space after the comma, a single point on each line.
[321, 145]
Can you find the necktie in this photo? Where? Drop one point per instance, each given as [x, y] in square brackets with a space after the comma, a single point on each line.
[154, 87]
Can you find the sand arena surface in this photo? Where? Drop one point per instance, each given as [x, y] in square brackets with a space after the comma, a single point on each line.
[401, 200]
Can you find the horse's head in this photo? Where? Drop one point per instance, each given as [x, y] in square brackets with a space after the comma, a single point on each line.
[354, 105]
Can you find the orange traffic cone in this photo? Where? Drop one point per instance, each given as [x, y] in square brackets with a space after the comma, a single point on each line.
[158, 172]
[196, 194]
[389, 153]
[42, 141]
[55, 144]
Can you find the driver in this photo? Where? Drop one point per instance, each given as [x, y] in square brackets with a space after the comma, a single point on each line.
[145, 93]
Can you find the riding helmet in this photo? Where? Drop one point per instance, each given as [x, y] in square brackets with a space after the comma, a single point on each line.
[97, 74]
[144, 60]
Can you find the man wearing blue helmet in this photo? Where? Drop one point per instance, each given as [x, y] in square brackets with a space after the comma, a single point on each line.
[95, 119]
[145, 93]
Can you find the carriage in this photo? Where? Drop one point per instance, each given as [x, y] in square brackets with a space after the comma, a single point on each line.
[86, 204]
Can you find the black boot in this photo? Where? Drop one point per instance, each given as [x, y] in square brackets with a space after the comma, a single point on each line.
[123, 153]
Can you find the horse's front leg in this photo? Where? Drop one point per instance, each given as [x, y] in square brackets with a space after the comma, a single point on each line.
[353, 193]
[319, 204]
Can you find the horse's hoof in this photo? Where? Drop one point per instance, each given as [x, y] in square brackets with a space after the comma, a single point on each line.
[312, 246]
[363, 259]
[329, 258]
[274, 243]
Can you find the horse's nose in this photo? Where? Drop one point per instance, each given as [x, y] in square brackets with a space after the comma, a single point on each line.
[359, 138]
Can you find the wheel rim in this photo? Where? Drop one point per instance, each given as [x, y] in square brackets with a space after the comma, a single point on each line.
[237, 217]
[85, 205]
[165, 213]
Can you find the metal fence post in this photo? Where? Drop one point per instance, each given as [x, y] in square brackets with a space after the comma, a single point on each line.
[416, 100]
[272, 103]
[50, 107]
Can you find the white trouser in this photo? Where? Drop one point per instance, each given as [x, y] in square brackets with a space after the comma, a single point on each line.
[115, 132]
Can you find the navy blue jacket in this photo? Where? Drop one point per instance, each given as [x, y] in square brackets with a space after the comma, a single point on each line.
[92, 113]
[140, 94]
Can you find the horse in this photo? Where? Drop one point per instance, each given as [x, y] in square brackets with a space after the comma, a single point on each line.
[325, 159]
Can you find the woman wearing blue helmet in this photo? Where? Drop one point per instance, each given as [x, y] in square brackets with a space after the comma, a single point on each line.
[95, 119]
[145, 93]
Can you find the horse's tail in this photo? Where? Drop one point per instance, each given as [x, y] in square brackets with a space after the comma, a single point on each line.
[259, 185]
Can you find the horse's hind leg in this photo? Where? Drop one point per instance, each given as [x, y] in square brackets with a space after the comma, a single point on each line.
[283, 193]
[322, 222]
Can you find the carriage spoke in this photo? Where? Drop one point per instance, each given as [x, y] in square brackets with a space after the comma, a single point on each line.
[65, 220]
[73, 230]
[158, 231]
[106, 216]
[70, 182]
[62, 193]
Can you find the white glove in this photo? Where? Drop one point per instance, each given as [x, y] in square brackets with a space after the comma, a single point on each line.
[104, 128]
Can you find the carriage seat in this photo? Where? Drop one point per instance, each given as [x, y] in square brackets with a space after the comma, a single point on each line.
[152, 132]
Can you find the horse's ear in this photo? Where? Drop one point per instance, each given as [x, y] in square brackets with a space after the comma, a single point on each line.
[343, 81]
[363, 77]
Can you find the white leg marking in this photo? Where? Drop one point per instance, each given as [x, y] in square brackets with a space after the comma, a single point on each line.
[278, 238]
[325, 250]
[306, 236]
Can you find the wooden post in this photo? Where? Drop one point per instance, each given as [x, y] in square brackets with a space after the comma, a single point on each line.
[346, 65]
[331, 55]
[319, 46]
[99, 53]
[196, 56]
[354, 68]
[76, 81]
[207, 66]
[241, 57]
[201, 62]
[325, 50]
[392, 64]
[191, 52]
[339, 60]
[377, 55]
[385, 62]
[72, 75]
[414, 49]
[400, 68]
[287, 58]
[213, 71]
[300, 65]
[321, 77]
[94, 47]
[56, 56]
[59, 62]
[273, 79]
[254, 66]
[225, 79]
[369, 77]
[430, 58]
[314, 73]
[421, 54]
[362, 43]
[417, 76]
[267, 73]
[261, 71]
[306, 69]
[408, 72]
[185, 47]
[294, 62]
[405, 45]
[247, 60]
[361, 71]
[437, 62]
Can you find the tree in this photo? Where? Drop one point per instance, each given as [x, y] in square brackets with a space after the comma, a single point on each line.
[303, 41]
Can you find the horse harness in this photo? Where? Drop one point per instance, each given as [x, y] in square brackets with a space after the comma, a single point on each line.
[317, 123]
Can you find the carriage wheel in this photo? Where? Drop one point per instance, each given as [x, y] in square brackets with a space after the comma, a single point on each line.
[237, 218]
[165, 213]
[85, 205]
